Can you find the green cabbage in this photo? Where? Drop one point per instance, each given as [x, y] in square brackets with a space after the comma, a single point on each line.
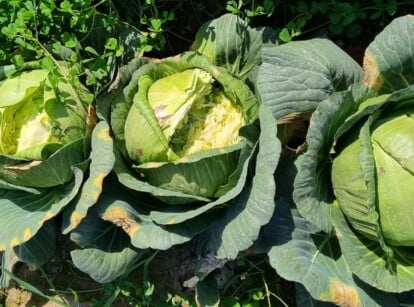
[392, 141]
[192, 114]
[181, 130]
[35, 118]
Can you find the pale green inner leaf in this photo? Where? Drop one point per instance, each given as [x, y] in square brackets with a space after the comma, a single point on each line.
[26, 128]
[193, 116]
[16, 88]
[38, 118]
[393, 145]
[209, 124]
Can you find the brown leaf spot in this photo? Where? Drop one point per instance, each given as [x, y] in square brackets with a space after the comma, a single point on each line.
[14, 242]
[372, 76]
[119, 217]
[162, 118]
[76, 218]
[27, 234]
[153, 164]
[140, 152]
[47, 217]
[344, 295]
[23, 166]
[92, 118]
[98, 180]
[104, 135]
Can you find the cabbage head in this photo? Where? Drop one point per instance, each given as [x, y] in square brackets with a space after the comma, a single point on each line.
[355, 179]
[195, 151]
[181, 132]
[38, 118]
[41, 121]
[46, 126]
[391, 153]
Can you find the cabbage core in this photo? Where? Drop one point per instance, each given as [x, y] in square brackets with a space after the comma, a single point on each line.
[193, 114]
[212, 122]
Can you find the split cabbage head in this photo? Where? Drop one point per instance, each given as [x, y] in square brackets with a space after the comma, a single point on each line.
[32, 125]
[181, 132]
[186, 139]
[40, 122]
[195, 151]
[45, 132]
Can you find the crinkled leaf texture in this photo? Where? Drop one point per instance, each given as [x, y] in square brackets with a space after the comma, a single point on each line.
[388, 62]
[26, 233]
[34, 252]
[230, 42]
[312, 187]
[106, 251]
[296, 76]
[241, 222]
[300, 253]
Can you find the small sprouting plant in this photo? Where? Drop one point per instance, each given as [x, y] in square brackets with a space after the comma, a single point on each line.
[250, 8]
[68, 30]
[337, 18]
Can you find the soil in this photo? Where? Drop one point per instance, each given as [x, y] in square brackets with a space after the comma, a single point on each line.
[167, 271]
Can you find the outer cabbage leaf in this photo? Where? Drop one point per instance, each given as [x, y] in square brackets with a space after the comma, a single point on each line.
[312, 187]
[53, 171]
[23, 214]
[300, 253]
[130, 213]
[295, 77]
[35, 252]
[104, 266]
[388, 61]
[106, 251]
[240, 225]
[102, 160]
[231, 43]
[368, 260]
